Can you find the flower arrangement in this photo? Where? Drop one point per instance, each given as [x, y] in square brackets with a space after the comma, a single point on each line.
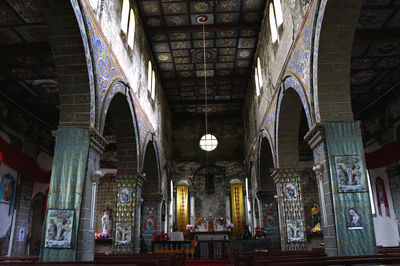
[259, 232]
[229, 226]
[162, 236]
[190, 227]
[102, 235]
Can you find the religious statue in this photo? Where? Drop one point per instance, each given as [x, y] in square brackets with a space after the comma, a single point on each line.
[315, 214]
[104, 222]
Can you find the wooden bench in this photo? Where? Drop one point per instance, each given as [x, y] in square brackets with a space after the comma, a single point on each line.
[247, 257]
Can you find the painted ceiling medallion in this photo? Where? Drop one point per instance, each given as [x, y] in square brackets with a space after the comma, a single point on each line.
[163, 57]
[201, 6]
[202, 19]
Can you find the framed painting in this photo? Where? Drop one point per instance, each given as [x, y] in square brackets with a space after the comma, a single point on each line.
[123, 233]
[59, 224]
[290, 190]
[125, 194]
[350, 173]
[7, 189]
[354, 219]
[295, 230]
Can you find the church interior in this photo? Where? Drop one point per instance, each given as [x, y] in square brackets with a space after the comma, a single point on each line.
[176, 132]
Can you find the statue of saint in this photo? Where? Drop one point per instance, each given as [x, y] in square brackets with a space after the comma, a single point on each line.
[104, 222]
[315, 214]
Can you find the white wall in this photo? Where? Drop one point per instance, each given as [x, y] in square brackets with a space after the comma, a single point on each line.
[386, 230]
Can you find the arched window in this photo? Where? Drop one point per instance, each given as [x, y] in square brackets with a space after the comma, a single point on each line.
[149, 75]
[153, 85]
[260, 78]
[125, 16]
[278, 12]
[272, 23]
[256, 81]
[131, 30]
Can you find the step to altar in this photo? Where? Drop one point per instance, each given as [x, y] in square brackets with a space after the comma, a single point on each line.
[207, 262]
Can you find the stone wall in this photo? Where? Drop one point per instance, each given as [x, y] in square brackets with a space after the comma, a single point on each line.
[210, 197]
[106, 199]
[22, 223]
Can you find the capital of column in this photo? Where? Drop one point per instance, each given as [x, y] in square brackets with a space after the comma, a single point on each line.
[156, 197]
[141, 179]
[315, 136]
[97, 141]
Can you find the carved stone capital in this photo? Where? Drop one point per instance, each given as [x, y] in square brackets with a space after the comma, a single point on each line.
[97, 141]
[315, 136]
[155, 197]
[141, 179]
[318, 169]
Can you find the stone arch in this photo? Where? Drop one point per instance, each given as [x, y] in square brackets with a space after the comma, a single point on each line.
[151, 166]
[333, 42]
[73, 62]
[265, 162]
[123, 120]
[291, 102]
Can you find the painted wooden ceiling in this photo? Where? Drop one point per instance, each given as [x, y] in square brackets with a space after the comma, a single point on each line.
[177, 42]
[375, 65]
[27, 69]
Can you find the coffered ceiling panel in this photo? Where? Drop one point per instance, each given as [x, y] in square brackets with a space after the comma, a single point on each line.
[231, 33]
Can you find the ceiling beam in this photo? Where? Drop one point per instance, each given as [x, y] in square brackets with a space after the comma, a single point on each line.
[40, 48]
[201, 79]
[211, 27]
[375, 35]
[209, 102]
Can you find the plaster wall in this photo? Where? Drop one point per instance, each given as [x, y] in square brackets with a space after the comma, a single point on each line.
[386, 228]
[273, 57]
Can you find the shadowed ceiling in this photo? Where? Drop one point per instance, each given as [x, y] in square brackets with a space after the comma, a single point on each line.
[27, 70]
[375, 65]
[176, 38]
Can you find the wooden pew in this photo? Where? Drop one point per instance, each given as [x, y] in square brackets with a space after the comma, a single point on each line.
[165, 259]
[246, 258]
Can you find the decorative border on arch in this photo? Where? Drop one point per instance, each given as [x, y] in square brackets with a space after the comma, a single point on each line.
[105, 69]
[321, 13]
[92, 89]
[266, 135]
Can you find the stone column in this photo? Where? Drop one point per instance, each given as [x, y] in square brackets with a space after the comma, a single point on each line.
[141, 179]
[192, 218]
[228, 207]
[87, 219]
[291, 212]
[393, 172]
[316, 140]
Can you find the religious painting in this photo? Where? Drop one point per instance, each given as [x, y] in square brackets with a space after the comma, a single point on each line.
[59, 224]
[295, 230]
[123, 233]
[125, 195]
[149, 224]
[270, 221]
[7, 189]
[350, 173]
[290, 190]
[354, 219]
